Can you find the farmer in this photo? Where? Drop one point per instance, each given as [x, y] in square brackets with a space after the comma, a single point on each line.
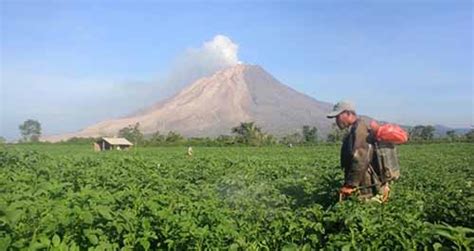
[357, 157]
[190, 151]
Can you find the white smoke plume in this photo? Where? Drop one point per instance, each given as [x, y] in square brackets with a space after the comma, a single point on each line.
[195, 63]
[223, 49]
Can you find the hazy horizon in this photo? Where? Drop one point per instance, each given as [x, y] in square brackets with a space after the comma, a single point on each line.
[70, 65]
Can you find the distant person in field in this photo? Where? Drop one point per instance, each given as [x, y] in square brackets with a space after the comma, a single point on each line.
[190, 151]
[357, 156]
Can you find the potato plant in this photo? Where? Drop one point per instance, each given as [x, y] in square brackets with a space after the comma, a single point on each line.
[237, 198]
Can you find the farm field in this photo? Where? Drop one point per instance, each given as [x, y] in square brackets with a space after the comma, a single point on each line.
[238, 198]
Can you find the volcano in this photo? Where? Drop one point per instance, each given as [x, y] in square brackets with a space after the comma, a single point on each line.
[211, 106]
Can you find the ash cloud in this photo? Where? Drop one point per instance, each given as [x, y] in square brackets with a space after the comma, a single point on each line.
[214, 55]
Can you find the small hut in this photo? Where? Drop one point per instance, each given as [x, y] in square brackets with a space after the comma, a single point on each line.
[111, 144]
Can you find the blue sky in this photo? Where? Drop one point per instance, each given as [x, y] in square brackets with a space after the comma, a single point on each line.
[72, 63]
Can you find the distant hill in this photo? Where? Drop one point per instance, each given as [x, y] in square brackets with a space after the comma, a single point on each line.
[440, 130]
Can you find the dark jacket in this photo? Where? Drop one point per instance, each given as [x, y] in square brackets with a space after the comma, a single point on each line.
[356, 156]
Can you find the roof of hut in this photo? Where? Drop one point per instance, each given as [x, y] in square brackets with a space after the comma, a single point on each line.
[118, 141]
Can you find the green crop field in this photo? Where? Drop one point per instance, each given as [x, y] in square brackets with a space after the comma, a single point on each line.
[239, 198]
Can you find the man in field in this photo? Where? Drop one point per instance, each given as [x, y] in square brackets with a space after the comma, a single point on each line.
[357, 156]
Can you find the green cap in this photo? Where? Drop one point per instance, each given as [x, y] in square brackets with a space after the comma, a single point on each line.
[340, 107]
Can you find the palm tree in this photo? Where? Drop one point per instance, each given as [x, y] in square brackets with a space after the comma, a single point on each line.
[248, 133]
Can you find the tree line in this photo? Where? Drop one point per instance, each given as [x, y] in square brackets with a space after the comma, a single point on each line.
[246, 133]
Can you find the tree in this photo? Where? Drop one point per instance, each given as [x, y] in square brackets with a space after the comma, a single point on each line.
[292, 139]
[451, 134]
[132, 134]
[30, 130]
[156, 139]
[336, 134]
[225, 140]
[2, 140]
[427, 132]
[173, 137]
[422, 132]
[470, 135]
[269, 139]
[310, 134]
[248, 133]
[416, 132]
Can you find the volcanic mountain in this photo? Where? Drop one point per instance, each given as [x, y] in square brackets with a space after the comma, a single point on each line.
[211, 106]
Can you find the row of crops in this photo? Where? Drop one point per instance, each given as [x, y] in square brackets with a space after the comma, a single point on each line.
[237, 198]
